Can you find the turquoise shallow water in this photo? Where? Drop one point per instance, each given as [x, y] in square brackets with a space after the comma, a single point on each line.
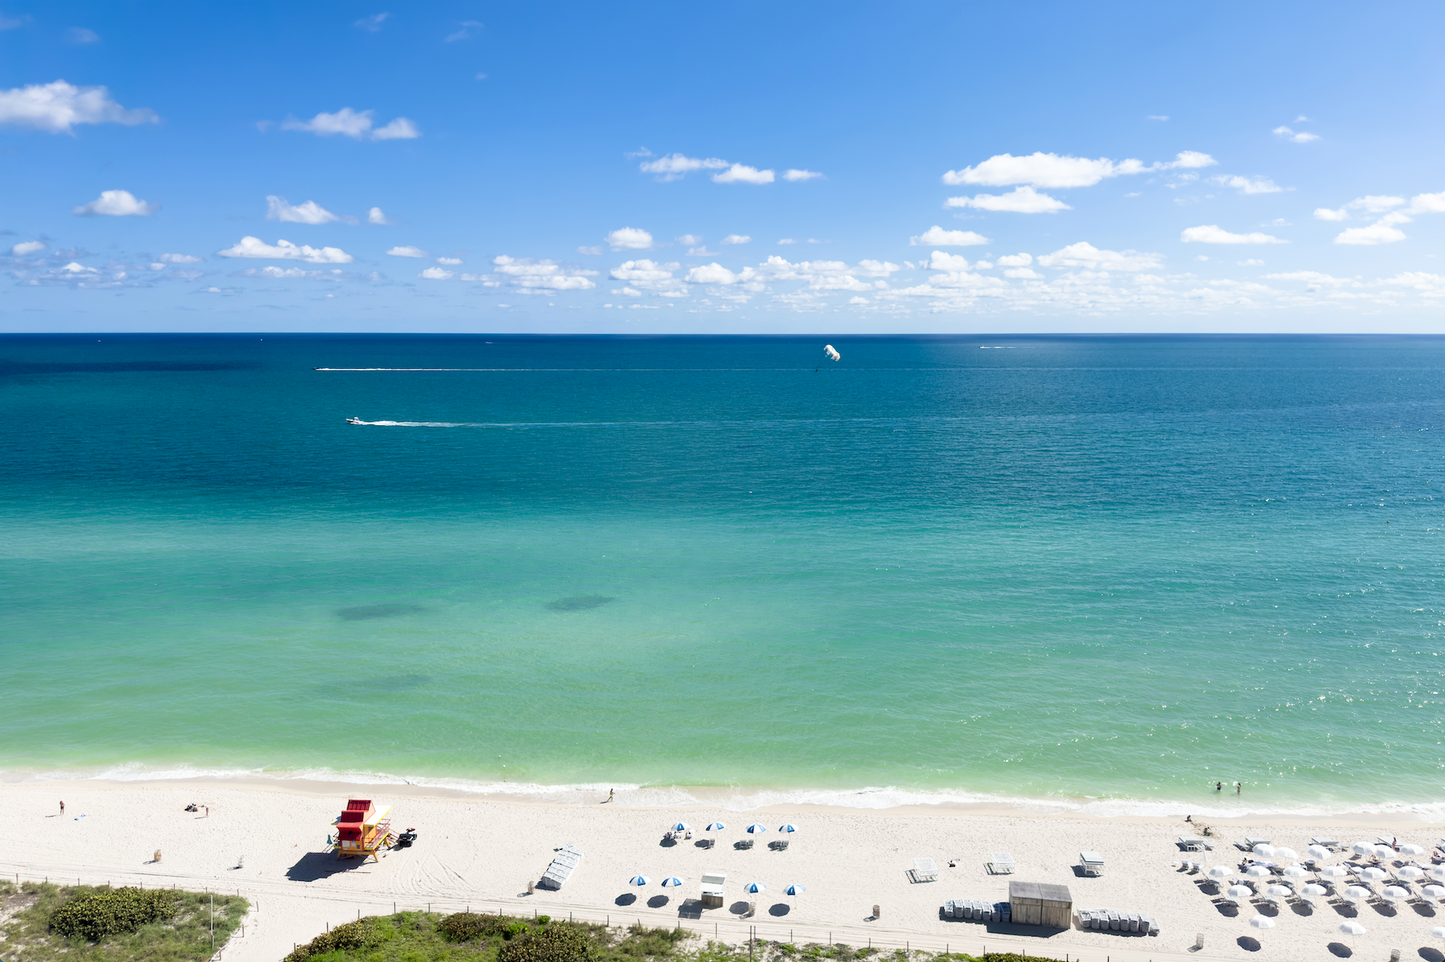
[1118, 568]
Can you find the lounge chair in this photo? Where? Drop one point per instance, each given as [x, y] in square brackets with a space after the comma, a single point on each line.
[568, 858]
[1000, 863]
[1189, 843]
[1092, 863]
[1326, 842]
[924, 870]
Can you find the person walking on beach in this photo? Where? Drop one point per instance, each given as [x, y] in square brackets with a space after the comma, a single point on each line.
[611, 792]
[62, 808]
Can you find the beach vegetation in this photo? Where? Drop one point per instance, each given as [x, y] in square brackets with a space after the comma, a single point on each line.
[45, 922]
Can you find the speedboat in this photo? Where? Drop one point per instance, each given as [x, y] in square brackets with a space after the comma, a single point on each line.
[355, 421]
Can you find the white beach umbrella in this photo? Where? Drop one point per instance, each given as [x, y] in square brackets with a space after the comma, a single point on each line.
[1280, 891]
[1262, 922]
[1257, 871]
[1384, 851]
[1318, 852]
[1219, 871]
[1239, 893]
[1411, 871]
[1433, 891]
[1352, 928]
[1394, 893]
[1356, 892]
[753, 888]
[1363, 848]
[1312, 890]
[1263, 850]
[1373, 874]
[1281, 851]
[1437, 872]
[1296, 871]
[1438, 931]
[1410, 848]
[639, 880]
[1334, 871]
[756, 829]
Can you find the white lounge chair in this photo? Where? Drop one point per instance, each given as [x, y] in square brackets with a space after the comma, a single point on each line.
[1092, 863]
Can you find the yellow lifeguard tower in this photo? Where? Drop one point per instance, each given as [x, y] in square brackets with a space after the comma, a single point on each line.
[363, 829]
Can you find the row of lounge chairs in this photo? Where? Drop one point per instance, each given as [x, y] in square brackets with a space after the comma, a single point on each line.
[1108, 920]
[975, 910]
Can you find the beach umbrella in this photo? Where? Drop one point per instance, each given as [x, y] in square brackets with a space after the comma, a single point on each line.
[639, 880]
[1263, 850]
[1262, 922]
[1437, 872]
[716, 826]
[790, 827]
[1296, 871]
[1334, 871]
[1433, 891]
[1280, 891]
[796, 890]
[1318, 852]
[1438, 931]
[671, 882]
[1257, 871]
[753, 888]
[1384, 851]
[1373, 874]
[1218, 871]
[1356, 892]
[1411, 871]
[1410, 848]
[1236, 893]
[1352, 928]
[1363, 848]
[1312, 890]
[681, 827]
[1282, 852]
[1394, 893]
[756, 829]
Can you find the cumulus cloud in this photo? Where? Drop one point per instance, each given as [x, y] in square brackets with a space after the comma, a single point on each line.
[59, 106]
[116, 203]
[1015, 260]
[436, 274]
[795, 175]
[715, 273]
[26, 248]
[181, 259]
[371, 24]
[307, 213]
[1020, 200]
[642, 271]
[375, 216]
[673, 166]
[356, 124]
[947, 262]
[408, 251]
[1325, 213]
[449, 261]
[743, 174]
[1249, 185]
[1377, 233]
[1053, 170]
[1428, 203]
[629, 239]
[936, 236]
[523, 272]
[1214, 234]
[285, 250]
[1298, 138]
[735, 239]
[1023, 274]
[594, 250]
[1086, 255]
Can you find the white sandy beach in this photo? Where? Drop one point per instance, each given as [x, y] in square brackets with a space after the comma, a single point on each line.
[481, 851]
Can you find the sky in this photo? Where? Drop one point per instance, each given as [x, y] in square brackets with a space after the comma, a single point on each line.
[604, 167]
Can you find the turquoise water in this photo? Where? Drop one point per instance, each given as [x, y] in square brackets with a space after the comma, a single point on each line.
[1117, 568]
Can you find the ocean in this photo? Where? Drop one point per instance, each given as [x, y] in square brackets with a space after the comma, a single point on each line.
[1080, 571]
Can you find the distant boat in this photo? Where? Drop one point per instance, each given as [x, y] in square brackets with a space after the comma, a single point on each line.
[355, 421]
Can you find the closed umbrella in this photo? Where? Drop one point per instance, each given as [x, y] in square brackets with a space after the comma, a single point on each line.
[1433, 891]
[753, 888]
[671, 882]
[1410, 848]
[1219, 871]
[1262, 922]
[756, 829]
[1239, 893]
[1263, 850]
[796, 890]
[1296, 871]
[639, 880]
[1283, 852]
[1318, 852]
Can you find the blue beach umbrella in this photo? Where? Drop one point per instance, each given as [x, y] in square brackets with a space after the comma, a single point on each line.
[671, 882]
[681, 827]
[716, 826]
[753, 888]
[790, 827]
[796, 890]
[639, 880]
[756, 829]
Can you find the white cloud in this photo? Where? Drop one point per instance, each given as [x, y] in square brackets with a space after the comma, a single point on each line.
[116, 203]
[936, 236]
[1314, 279]
[1020, 200]
[354, 124]
[58, 106]
[1298, 138]
[790, 240]
[673, 166]
[285, 250]
[1084, 254]
[449, 261]
[1015, 260]
[871, 268]
[1375, 203]
[1374, 234]
[372, 23]
[25, 248]
[408, 251]
[468, 30]
[1247, 185]
[307, 213]
[1023, 274]
[1214, 234]
[1324, 213]
[1188, 159]
[713, 273]
[436, 274]
[642, 271]
[735, 239]
[1428, 203]
[629, 239]
[1159, 117]
[947, 262]
[81, 35]
[794, 174]
[527, 273]
[1251, 262]
[743, 174]
[375, 216]
[181, 258]
[1041, 170]
[592, 251]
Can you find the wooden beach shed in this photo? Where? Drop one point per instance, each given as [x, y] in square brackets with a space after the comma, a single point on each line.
[1040, 903]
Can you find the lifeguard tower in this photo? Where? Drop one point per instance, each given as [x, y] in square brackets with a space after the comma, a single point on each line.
[363, 829]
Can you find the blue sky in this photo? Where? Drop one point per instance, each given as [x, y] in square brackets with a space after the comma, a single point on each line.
[733, 167]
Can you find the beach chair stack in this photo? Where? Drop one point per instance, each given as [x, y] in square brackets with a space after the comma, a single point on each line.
[1111, 920]
[976, 910]
[924, 870]
[1000, 863]
[568, 857]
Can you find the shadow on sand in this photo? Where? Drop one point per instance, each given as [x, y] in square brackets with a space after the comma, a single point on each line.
[315, 866]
